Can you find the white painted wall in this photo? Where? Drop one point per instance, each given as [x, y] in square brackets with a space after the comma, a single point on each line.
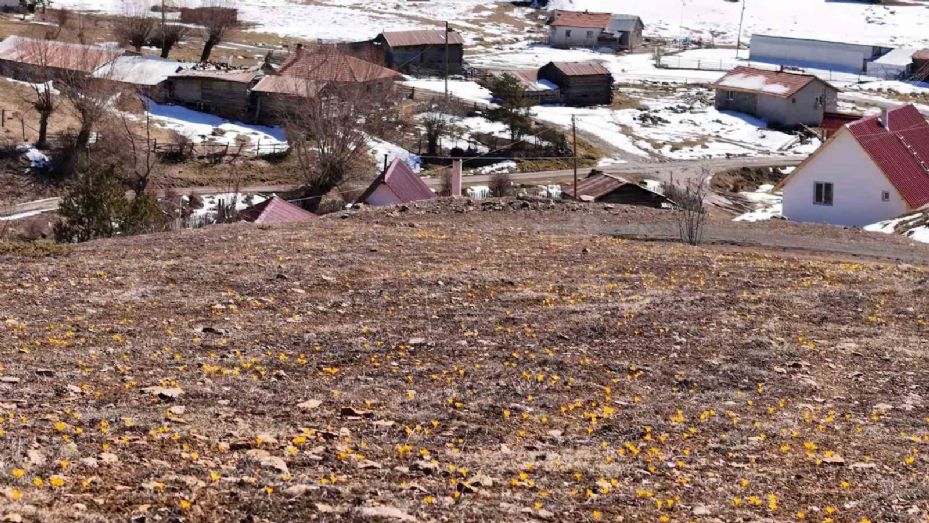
[830, 55]
[579, 37]
[382, 197]
[9, 3]
[857, 187]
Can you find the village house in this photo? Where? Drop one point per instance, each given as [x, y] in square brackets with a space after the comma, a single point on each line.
[146, 75]
[594, 30]
[784, 100]
[398, 184]
[872, 170]
[35, 60]
[809, 52]
[217, 91]
[920, 68]
[609, 188]
[308, 72]
[538, 91]
[423, 51]
[580, 83]
[275, 210]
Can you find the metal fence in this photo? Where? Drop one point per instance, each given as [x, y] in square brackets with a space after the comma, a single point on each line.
[703, 64]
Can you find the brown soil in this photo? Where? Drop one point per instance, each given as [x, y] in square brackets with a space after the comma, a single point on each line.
[505, 361]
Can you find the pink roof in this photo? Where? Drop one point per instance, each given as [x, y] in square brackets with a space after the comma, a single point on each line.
[402, 182]
[900, 147]
[275, 210]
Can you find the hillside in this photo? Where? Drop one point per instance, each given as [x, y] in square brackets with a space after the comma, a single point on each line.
[508, 361]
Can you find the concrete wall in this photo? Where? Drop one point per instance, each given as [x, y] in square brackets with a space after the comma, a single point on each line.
[826, 55]
[857, 187]
[573, 37]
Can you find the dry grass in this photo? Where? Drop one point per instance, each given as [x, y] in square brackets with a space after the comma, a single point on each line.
[464, 366]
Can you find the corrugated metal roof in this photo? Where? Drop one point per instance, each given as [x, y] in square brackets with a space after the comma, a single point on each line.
[834, 121]
[900, 148]
[581, 19]
[405, 184]
[140, 70]
[922, 54]
[238, 76]
[626, 23]
[57, 55]
[762, 81]
[581, 68]
[287, 85]
[600, 185]
[333, 67]
[421, 37]
[275, 210]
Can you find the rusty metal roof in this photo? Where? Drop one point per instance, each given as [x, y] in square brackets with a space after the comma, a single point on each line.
[421, 37]
[581, 68]
[327, 66]
[243, 76]
[56, 55]
[275, 210]
[599, 185]
[581, 19]
[287, 85]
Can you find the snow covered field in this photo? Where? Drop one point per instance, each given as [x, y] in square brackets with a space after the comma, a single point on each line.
[707, 19]
[201, 127]
[913, 226]
[677, 124]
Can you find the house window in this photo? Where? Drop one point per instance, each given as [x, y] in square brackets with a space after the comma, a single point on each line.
[567, 33]
[590, 35]
[793, 100]
[822, 194]
[730, 96]
[885, 196]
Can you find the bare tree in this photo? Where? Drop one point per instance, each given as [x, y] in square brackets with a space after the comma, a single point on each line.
[691, 203]
[171, 35]
[437, 122]
[42, 91]
[330, 123]
[134, 30]
[501, 184]
[217, 17]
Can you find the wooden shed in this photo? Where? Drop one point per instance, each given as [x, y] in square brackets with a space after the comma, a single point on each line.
[147, 75]
[580, 83]
[221, 92]
[538, 91]
[423, 51]
[609, 188]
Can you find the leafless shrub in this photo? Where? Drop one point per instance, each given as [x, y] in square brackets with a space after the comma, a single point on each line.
[445, 188]
[168, 37]
[501, 184]
[328, 128]
[691, 202]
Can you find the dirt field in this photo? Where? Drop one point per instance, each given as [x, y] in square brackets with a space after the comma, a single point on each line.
[479, 363]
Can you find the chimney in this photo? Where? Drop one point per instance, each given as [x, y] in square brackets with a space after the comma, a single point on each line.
[884, 120]
[456, 178]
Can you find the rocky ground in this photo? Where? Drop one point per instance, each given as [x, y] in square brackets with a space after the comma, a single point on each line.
[500, 361]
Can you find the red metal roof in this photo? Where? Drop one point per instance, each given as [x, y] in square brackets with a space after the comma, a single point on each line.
[581, 68]
[275, 210]
[898, 142]
[405, 184]
[421, 37]
[333, 67]
[762, 81]
[580, 19]
[835, 121]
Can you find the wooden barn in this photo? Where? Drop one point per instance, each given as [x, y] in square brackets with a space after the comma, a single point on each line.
[580, 83]
[609, 188]
[35, 60]
[422, 51]
[540, 92]
[221, 92]
[307, 73]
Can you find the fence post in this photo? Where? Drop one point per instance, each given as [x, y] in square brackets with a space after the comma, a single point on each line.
[23, 121]
[258, 148]
[2, 117]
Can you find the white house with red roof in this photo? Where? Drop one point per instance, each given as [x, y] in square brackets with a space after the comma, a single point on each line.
[871, 170]
[781, 99]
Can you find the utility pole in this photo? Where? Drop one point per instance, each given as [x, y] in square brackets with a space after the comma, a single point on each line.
[163, 20]
[574, 139]
[738, 41]
[446, 61]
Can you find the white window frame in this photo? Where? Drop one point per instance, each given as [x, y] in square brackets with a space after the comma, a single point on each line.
[824, 202]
